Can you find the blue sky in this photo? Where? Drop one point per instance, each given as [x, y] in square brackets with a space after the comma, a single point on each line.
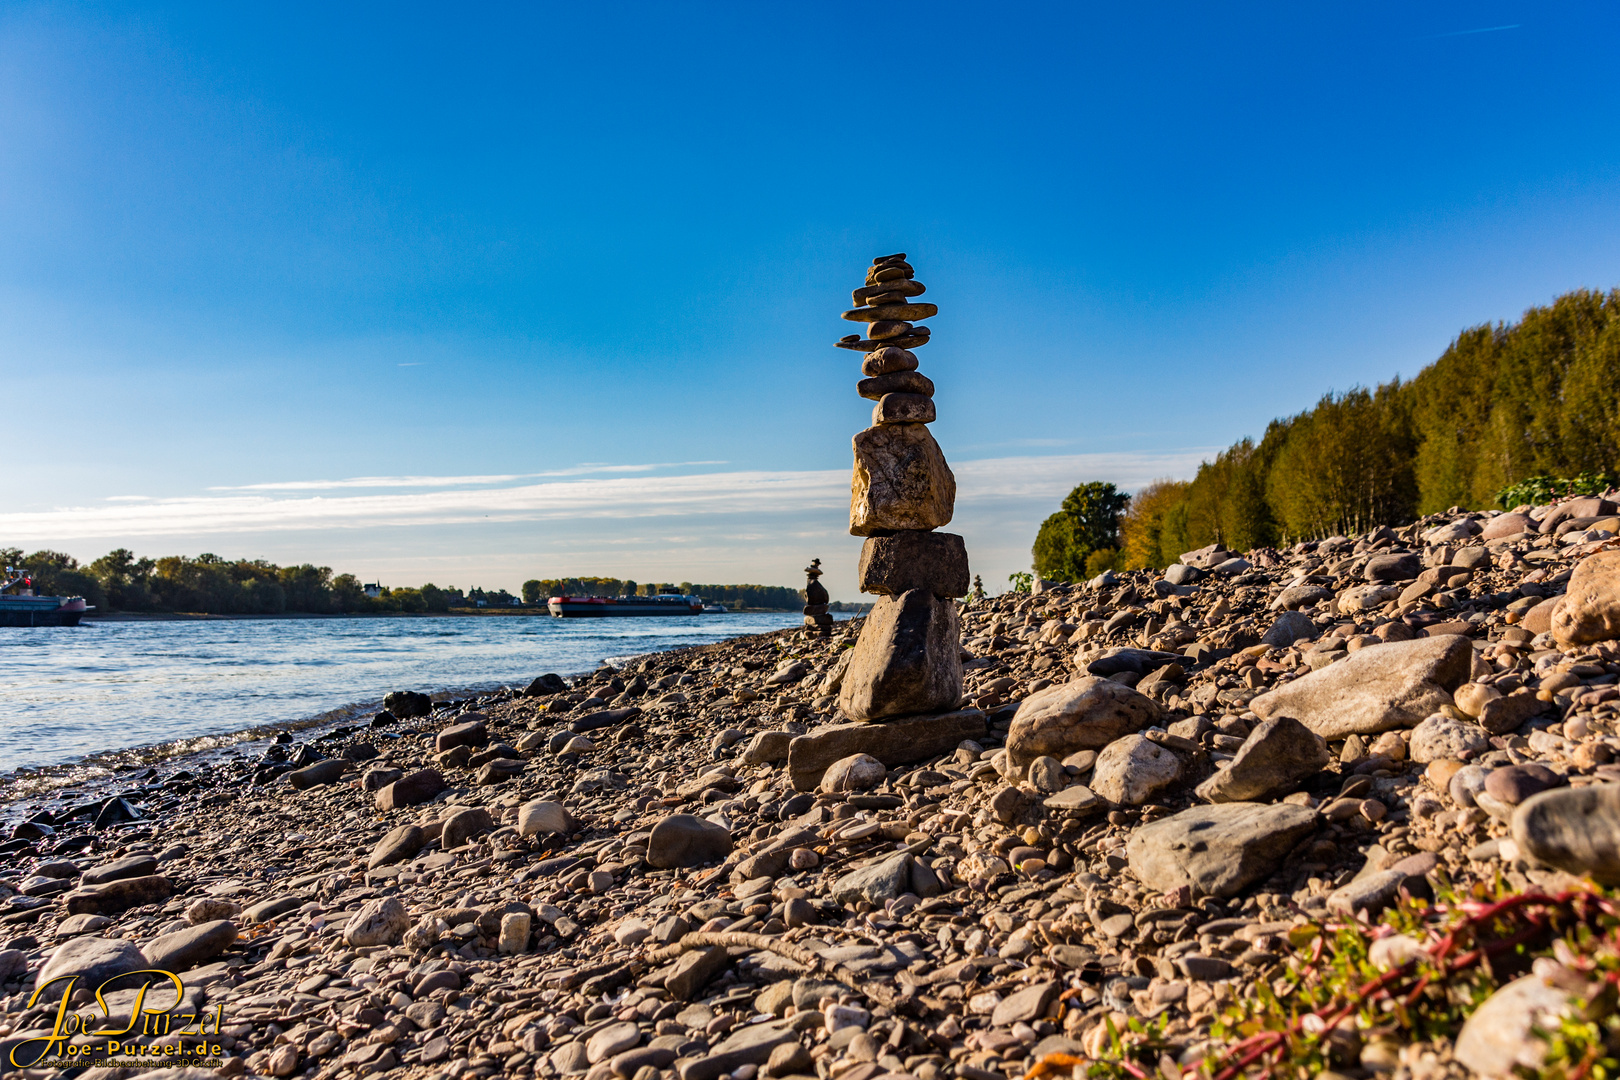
[471, 298]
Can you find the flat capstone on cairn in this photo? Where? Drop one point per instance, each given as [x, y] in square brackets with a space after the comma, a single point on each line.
[906, 667]
[816, 617]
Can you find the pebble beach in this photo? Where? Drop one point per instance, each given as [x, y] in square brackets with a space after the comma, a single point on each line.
[1158, 790]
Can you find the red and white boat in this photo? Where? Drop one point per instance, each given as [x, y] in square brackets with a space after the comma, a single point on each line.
[23, 608]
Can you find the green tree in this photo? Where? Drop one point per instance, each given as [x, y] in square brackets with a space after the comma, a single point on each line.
[1088, 521]
[531, 592]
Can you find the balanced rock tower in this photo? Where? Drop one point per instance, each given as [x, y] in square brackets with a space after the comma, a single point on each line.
[908, 659]
[816, 617]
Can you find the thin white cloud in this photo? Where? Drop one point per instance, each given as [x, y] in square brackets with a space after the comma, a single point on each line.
[445, 481]
[749, 494]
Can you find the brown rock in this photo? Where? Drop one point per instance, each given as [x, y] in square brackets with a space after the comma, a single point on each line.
[894, 742]
[1375, 689]
[903, 409]
[1575, 508]
[116, 896]
[908, 659]
[892, 313]
[1591, 608]
[899, 382]
[1086, 713]
[1278, 754]
[902, 286]
[901, 481]
[409, 790]
[471, 733]
[1507, 525]
[1503, 714]
[902, 561]
[1539, 619]
[888, 360]
[462, 826]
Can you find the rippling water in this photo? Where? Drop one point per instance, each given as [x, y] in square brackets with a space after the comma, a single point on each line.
[69, 692]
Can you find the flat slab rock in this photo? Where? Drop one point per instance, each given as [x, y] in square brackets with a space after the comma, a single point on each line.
[894, 742]
[1380, 688]
[1217, 850]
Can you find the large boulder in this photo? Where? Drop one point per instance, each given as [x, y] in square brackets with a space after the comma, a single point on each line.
[1086, 713]
[1573, 829]
[117, 896]
[1364, 598]
[1441, 737]
[400, 844]
[1575, 508]
[418, 787]
[378, 922]
[1388, 568]
[1277, 755]
[1217, 850]
[904, 741]
[686, 840]
[541, 817]
[1507, 525]
[185, 949]
[1591, 608]
[93, 959]
[1132, 770]
[901, 481]
[1500, 1038]
[908, 659]
[1379, 688]
[858, 772]
[406, 704]
[901, 561]
[463, 825]
[1288, 628]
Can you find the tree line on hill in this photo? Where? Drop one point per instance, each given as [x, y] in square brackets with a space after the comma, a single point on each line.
[211, 585]
[770, 597]
[1505, 411]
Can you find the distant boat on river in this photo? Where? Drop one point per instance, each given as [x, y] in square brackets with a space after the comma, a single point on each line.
[599, 607]
[23, 608]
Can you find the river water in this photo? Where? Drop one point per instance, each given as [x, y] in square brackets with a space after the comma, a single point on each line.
[70, 693]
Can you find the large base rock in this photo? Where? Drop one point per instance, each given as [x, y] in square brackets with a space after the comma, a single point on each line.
[901, 481]
[897, 742]
[1217, 850]
[1395, 685]
[907, 661]
[934, 561]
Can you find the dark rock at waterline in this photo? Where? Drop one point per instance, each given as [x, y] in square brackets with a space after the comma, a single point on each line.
[407, 704]
[115, 811]
[545, 685]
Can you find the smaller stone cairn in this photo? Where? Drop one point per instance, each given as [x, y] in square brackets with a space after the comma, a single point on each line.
[908, 659]
[816, 616]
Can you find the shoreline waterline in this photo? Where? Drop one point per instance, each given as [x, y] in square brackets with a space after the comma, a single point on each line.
[71, 703]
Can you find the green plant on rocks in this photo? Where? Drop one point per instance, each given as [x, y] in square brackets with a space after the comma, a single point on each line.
[1536, 490]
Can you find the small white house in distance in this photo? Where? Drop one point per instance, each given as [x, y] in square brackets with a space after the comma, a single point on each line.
[373, 591]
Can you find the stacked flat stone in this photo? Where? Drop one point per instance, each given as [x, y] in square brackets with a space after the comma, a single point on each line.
[908, 660]
[816, 616]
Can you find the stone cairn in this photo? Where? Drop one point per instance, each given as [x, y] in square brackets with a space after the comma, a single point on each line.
[908, 659]
[816, 599]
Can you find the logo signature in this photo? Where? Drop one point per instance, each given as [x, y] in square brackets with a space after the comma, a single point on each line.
[151, 1022]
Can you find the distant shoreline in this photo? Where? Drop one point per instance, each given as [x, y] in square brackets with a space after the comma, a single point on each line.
[475, 613]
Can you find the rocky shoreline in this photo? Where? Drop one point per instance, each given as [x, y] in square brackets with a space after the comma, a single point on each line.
[689, 868]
